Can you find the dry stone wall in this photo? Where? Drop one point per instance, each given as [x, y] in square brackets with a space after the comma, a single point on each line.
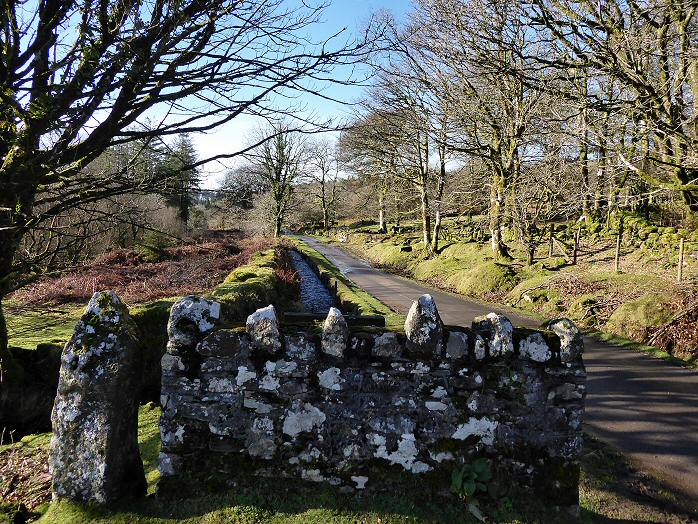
[368, 411]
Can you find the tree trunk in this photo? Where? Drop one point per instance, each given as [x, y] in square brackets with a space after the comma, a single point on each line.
[584, 149]
[325, 218]
[15, 208]
[584, 159]
[184, 209]
[690, 198]
[437, 231]
[439, 199]
[530, 254]
[497, 196]
[612, 200]
[381, 213]
[397, 212]
[4, 351]
[278, 224]
[426, 219]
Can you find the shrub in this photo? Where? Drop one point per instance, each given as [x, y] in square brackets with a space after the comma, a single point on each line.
[153, 247]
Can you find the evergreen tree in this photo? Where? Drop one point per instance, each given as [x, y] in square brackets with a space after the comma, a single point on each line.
[183, 179]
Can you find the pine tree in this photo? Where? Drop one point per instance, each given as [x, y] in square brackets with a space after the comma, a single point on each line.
[183, 179]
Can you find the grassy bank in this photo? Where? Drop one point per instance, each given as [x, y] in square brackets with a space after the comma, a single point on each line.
[636, 307]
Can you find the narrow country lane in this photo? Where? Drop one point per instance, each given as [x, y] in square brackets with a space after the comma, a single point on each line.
[645, 407]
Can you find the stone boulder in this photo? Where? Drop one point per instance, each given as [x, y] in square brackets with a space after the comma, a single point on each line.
[263, 328]
[457, 345]
[335, 334]
[386, 345]
[571, 340]
[94, 453]
[191, 318]
[534, 347]
[500, 331]
[423, 327]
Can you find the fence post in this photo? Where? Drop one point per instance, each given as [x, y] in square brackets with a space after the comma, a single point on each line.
[619, 239]
[679, 276]
[576, 246]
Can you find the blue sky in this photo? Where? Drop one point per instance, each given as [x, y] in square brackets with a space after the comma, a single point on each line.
[349, 14]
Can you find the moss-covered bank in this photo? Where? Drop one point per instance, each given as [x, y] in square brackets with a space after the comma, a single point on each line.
[629, 305]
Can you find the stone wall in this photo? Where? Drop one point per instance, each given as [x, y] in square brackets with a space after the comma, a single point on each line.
[369, 410]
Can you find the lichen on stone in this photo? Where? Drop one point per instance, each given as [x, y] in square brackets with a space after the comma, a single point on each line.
[479, 427]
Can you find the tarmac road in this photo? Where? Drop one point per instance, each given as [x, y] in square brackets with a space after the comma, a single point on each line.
[645, 407]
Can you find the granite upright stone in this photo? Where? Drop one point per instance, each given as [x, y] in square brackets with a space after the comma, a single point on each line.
[94, 453]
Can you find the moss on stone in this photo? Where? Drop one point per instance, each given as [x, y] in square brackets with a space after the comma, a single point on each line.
[634, 318]
[483, 279]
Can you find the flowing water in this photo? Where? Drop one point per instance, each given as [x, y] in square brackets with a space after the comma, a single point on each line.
[314, 295]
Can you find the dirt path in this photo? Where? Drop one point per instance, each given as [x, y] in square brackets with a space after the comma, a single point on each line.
[645, 407]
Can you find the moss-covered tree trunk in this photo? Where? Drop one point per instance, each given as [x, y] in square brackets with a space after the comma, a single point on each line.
[530, 253]
[437, 231]
[278, 223]
[439, 200]
[397, 211]
[584, 159]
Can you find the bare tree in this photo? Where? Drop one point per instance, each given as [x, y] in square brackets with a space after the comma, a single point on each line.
[369, 148]
[321, 176]
[476, 46]
[79, 77]
[648, 49]
[279, 162]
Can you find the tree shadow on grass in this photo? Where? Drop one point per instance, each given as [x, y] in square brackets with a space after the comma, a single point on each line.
[295, 501]
[614, 490]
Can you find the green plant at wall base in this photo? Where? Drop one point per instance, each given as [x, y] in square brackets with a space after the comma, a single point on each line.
[470, 480]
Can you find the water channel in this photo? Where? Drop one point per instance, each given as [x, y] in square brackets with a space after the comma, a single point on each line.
[314, 295]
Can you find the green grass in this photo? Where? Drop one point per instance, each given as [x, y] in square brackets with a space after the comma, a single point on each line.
[29, 442]
[29, 328]
[468, 268]
[635, 318]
